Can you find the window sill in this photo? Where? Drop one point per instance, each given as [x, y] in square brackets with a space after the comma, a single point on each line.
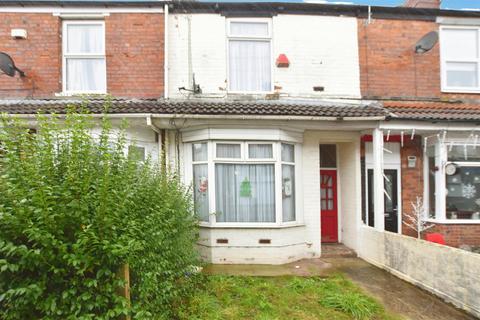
[251, 225]
[460, 90]
[80, 94]
[458, 221]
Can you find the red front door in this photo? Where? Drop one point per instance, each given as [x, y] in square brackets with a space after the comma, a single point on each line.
[328, 205]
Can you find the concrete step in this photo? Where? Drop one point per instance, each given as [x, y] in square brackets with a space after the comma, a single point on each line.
[337, 250]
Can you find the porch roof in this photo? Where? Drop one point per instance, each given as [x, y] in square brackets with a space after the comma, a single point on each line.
[286, 108]
[433, 110]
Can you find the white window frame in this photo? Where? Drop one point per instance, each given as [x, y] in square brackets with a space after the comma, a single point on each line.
[66, 55]
[249, 38]
[443, 62]
[275, 160]
[441, 160]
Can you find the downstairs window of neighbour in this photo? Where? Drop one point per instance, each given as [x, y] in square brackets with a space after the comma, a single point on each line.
[462, 173]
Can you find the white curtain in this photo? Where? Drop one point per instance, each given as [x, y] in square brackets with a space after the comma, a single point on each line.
[199, 151]
[249, 29]
[260, 151]
[200, 190]
[288, 192]
[85, 38]
[85, 74]
[228, 151]
[245, 192]
[249, 65]
[288, 152]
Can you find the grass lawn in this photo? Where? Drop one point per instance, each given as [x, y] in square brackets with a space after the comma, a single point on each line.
[281, 298]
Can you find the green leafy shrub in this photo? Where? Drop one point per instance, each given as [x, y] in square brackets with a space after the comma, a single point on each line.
[74, 210]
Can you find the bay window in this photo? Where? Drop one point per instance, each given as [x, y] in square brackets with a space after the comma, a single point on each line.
[249, 55]
[84, 66]
[460, 57]
[244, 182]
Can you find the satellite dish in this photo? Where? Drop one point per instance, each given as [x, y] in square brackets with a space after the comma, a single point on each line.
[427, 42]
[8, 66]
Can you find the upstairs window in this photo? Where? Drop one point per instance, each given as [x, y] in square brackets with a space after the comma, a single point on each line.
[460, 59]
[84, 67]
[249, 55]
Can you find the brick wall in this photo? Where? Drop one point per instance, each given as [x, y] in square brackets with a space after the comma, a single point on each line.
[134, 51]
[412, 178]
[422, 3]
[389, 67]
[135, 54]
[38, 55]
[457, 235]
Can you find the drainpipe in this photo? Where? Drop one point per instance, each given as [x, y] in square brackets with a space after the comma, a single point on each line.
[160, 140]
[165, 54]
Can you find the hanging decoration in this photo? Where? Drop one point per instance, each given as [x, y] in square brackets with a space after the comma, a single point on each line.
[245, 188]
[469, 191]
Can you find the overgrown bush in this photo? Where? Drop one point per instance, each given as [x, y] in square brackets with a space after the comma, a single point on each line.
[74, 209]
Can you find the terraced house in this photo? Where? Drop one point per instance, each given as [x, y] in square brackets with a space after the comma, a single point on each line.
[296, 124]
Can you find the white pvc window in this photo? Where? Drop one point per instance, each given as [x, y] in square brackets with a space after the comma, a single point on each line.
[249, 55]
[453, 195]
[460, 55]
[251, 182]
[200, 180]
[84, 66]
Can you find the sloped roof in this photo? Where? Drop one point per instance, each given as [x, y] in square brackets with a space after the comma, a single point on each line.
[199, 107]
[433, 110]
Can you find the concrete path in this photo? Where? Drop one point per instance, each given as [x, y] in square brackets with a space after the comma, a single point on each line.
[397, 296]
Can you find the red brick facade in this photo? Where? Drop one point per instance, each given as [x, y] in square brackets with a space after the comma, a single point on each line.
[389, 66]
[390, 69]
[412, 178]
[134, 54]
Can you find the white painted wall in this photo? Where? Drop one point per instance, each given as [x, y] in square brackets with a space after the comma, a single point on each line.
[323, 51]
[301, 241]
[350, 188]
[448, 272]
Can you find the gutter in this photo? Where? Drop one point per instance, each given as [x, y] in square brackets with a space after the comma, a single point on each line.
[225, 117]
[160, 137]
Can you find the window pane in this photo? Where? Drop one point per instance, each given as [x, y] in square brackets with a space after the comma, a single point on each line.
[463, 198]
[86, 75]
[200, 190]
[260, 151]
[199, 152]
[463, 153]
[85, 38]
[288, 152]
[136, 153]
[460, 44]
[245, 193]
[288, 192]
[462, 74]
[328, 156]
[248, 29]
[249, 65]
[228, 151]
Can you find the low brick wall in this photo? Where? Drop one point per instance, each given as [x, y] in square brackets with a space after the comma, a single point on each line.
[447, 272]
[457, 235]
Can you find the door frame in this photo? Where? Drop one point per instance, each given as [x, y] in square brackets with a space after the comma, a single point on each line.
[339, 192]
[397, 167]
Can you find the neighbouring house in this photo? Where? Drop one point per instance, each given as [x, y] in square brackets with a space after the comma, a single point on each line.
[296, 124]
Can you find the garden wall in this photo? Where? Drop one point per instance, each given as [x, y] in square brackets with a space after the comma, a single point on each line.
[447, 272]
